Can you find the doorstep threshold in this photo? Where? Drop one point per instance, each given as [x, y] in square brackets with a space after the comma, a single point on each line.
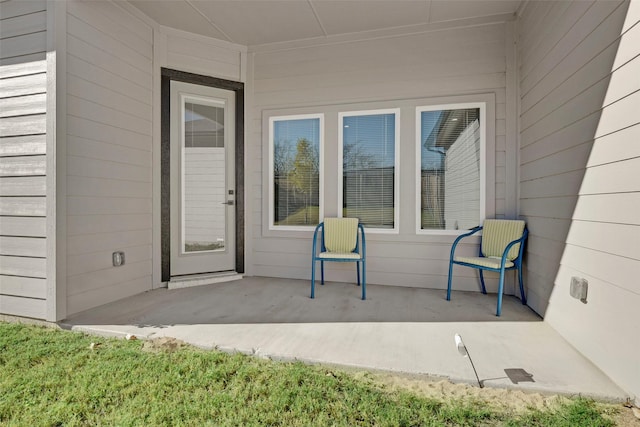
[179, 282]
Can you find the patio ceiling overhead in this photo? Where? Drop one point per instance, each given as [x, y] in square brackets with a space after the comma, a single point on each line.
[255, 22]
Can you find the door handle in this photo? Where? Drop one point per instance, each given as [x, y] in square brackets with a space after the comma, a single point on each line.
[230, 203]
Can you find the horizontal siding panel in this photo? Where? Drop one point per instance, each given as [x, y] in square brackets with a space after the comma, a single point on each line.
[614, 239]
[23, 125]
[23, 266]
[88, 262]
[556, 207]
[617, 208]
[330, 78]
[23, 166]
[107, 43]
[11, 9]
[590, 35]
[353, 91]
[23, 226]
[565, 184]
[583, 105]
[110, 116]
[203, 66]
[23, 206]
[616, 116]
[27, 287]
[23, 145]
[97, 224]
[23, 246]
[23, 105]
[101, 242]
[23, 307]
[119, 83]
[619, 177]
[108, 278]
[570, 136]
[83, 89]
[21, 66]
[83, 128]
[86, 300]
[98, 150]
[207, 51]
[107, 205]
[23, 24]
[103, 18]
[574, 158]
[23, 186]
[549, 228]
[620, 271]
[109, 61]
[99, 187]
[93, 168]
[591, 73]
[616, 146]
[554, 17]
[23, 45]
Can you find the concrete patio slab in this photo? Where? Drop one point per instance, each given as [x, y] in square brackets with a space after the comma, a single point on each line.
[396, 329]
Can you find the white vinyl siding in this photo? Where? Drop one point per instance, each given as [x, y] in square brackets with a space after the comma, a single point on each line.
[579, 162]
[23, 158]
[109, 145]
[371, 74]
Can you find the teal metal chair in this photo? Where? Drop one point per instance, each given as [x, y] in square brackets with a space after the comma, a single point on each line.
[501, 249]
[341, 240]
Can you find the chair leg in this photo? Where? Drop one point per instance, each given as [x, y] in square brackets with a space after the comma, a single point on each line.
[449, 282]
[358, 271]
[322, 272]
[364, 280]
[500, 291]
[313, 278]
[484, 290]
[523, 297]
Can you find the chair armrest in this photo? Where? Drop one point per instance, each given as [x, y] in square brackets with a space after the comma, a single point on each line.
[364, 245]
[315, 240]
[508, 248]
[462, 236]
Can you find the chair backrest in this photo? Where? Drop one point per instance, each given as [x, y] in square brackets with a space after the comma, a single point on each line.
[340, 234]
[497, 234]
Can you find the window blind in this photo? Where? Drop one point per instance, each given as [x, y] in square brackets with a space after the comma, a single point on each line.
[369, 169]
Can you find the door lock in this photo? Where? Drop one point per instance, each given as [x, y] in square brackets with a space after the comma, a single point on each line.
[230, 203]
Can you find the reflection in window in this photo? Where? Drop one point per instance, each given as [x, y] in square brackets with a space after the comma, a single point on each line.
[368, 168]
[296, 171]
[450, 168]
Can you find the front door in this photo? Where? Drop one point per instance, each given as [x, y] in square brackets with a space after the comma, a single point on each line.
[202, 176]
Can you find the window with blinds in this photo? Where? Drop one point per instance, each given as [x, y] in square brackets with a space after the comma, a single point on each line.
[295, 170]
[369, 156]
[450, 168]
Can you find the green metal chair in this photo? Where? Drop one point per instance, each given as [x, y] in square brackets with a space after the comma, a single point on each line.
[501, 249]
[341, 240]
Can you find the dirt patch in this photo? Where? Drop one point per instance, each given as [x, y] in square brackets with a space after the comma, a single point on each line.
[164, 344]
[503, 400]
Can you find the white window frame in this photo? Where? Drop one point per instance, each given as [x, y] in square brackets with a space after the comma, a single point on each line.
[396, 170]
[271, 203]
[483, 163]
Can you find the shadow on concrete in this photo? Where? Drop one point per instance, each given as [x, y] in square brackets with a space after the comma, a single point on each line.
[258, 300]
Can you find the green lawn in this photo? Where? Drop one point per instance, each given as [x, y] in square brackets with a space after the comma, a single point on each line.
[53, 378]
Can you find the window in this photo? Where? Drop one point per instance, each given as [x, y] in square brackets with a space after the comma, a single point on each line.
[368, 161]
[295, 171]
[450, 164]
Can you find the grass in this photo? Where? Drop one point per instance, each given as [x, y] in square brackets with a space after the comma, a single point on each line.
[53, 378]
